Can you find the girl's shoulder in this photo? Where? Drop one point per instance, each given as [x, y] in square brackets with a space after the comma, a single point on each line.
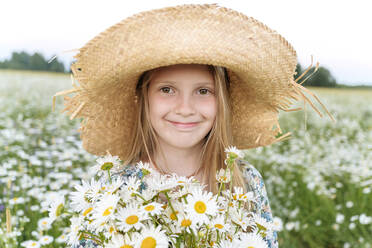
[252, 176]
[255, 183]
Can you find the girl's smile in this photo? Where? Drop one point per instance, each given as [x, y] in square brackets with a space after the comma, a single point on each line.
[184, 126]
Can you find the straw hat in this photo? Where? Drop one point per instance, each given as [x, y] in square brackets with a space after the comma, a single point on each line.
[260, 64]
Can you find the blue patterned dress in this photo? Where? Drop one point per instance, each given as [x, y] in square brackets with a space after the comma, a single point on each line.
[254, 181]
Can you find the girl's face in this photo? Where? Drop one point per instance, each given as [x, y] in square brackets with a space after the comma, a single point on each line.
[182, 104]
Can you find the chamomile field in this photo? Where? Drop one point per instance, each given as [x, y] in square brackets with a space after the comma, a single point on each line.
[319, 181]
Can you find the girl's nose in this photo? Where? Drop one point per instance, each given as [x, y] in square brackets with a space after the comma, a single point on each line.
[185, 105]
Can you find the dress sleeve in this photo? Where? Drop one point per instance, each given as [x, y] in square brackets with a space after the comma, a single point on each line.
[256, 184]
[83, 243]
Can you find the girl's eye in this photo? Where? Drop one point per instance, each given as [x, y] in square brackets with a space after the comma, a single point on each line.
[204, 91]
[166, 90]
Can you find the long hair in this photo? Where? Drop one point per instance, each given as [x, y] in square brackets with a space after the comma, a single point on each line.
[144, 140]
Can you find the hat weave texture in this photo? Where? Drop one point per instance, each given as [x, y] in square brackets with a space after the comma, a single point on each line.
[260, 64]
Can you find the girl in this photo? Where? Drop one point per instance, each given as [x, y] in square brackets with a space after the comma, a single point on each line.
[176, 86]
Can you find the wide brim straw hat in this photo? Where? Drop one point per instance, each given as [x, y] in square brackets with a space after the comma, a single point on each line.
[260, 64]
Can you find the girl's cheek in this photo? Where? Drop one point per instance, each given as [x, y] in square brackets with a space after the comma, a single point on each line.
[207, 106]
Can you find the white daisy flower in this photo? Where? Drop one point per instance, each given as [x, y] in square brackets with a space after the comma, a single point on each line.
[113, 187]
[56, 207]
[183, 180]
[173, 215]
[109, 229]
[31, 244]
[184, 222]
[145, 167]
[252, 240]
[234, 152]
[16, 200]
[88, 211]
[240, 217]
[200, 205]
[62, 238]
[119, 240]
[130, 216]
[105, 163]
[160, 182]
[219, 224]
[152, 237]
[152, 208]
[277, 224]
[239, 195]
[44, 223]
[223, 176]
[74, 234]
[227, 244]
[104, 209]
[186, 189]
[131, 185]
[84, 195]
[262, 223]
[46, 239]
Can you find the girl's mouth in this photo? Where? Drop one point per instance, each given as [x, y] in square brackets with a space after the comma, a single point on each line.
[184, 124]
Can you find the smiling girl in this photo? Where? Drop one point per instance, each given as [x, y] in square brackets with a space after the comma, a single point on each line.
[176, 86]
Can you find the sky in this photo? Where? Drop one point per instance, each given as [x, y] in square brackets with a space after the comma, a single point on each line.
[337, 33]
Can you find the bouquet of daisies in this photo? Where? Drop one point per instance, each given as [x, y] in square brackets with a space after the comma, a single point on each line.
[142, 208]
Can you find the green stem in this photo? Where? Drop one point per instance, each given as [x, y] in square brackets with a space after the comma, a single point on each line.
[170, 204]
[219, 190]
[144, 200]
[109, 176]
[228, 204]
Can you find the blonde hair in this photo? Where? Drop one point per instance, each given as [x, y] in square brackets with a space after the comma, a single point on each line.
[144, 139]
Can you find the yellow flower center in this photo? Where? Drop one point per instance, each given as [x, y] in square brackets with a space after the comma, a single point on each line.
[87, 211]
[33, 244]
[133, 219]
[111, 229]
[148, 242]
[186, 222]
[107, 211]
[219, 226]
[200, 207]
[126, 246]
[173, 216]
[59, 209]
[44, 222]
[149, 208]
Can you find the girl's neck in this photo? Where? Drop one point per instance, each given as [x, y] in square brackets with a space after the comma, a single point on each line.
[183, 162]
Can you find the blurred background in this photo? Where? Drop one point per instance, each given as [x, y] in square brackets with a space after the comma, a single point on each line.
[319, 181]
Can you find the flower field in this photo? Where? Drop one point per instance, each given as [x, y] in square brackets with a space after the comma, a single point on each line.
[319, 182]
